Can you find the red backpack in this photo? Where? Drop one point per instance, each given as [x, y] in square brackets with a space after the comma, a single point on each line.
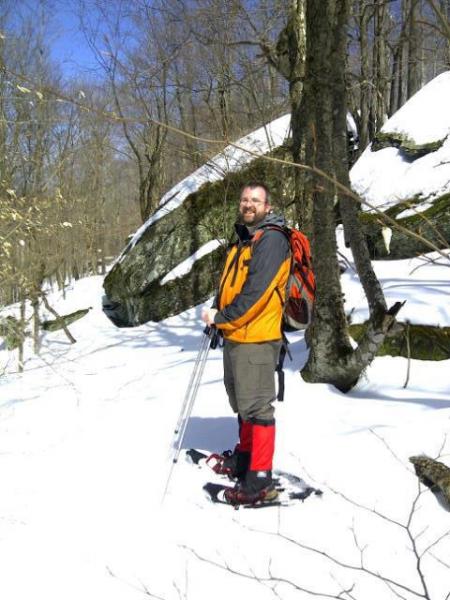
[300, 292]
[301, 285]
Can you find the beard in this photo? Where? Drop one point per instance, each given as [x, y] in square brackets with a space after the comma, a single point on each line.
[250, 217]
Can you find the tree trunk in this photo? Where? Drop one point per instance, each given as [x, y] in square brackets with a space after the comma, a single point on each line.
[379, 105]
[397, 97]
[329, 339]
[415, 50]
[21, 345]
[36, 325]
[349, 210]
[288, 58]
[296, 37]
[365, 77]
[332, 359]
[445, 11]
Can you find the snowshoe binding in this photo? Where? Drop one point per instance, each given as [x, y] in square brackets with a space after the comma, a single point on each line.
[233, 464]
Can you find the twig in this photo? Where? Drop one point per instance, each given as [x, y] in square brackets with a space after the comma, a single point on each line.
[251, 576]
[143, 589]
[435, 543]
[347, 262]
[441, 449]
[388, 448]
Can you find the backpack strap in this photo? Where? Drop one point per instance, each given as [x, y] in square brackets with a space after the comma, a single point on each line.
[259, 232]
[280, 373]
[284, 346]
[279, 368]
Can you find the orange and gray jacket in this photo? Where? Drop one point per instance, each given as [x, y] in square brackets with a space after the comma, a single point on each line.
[253, 284]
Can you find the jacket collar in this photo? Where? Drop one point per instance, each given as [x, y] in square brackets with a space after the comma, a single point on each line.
[246, 233]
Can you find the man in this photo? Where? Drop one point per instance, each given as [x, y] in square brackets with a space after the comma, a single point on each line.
[248, 311]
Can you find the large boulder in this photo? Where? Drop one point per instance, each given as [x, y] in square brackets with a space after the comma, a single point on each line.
[173, 261]
[432, 223]
[405, 173]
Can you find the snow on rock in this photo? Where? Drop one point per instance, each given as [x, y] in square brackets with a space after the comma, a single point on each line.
[184, 267]
[426, 116]
[386, 177]
[232, 158]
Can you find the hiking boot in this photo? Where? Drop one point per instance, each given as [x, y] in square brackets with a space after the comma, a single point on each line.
[257, 487]
[233, 464]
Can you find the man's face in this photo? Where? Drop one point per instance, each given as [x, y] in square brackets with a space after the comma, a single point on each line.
[253, 206]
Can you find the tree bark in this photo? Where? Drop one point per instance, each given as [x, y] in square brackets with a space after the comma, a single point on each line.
[414, 49]
[332, 359]
[349, 210]
[288, 58]
[329, 339]
[443, 16]
[365, 76]
[379, 104]
[296, 36]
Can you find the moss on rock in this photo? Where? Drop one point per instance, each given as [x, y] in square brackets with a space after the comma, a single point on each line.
[206, 214]
[408, 147]
[425, 342]
[433, 224]
[64, 320]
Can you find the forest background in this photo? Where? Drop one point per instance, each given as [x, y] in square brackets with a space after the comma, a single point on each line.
[87, 152]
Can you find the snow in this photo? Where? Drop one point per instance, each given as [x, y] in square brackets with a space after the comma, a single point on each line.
[186, 265]
[384, 178]
[424, 282]
[231, 159]
[86, 442]
[351, 125]
[425, 117]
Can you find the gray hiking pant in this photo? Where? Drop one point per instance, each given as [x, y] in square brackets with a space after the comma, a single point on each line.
[249, 378]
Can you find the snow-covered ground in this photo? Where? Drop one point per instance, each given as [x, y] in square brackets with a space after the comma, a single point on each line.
[86, 446]
[86, 442]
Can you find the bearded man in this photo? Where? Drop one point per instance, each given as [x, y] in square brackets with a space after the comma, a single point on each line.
[248, 311]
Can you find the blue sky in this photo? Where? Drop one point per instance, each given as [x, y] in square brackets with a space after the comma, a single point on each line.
[62, 32]
[69, 45]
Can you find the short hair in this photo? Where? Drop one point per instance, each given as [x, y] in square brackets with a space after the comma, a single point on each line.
[254, 184]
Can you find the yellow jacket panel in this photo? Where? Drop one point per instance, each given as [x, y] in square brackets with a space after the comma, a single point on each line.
[253, 285]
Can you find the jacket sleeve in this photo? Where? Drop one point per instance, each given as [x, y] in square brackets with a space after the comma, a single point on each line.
[269, 254]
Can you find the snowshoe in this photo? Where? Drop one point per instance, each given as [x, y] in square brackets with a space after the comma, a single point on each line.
[257, 487]
[220, 494]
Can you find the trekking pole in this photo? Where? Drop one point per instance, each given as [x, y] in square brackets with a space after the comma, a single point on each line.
[200, 357]
[211, 336]
[210, 340]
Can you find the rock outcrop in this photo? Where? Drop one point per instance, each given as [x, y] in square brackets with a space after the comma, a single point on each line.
[146, 283]
[405, 173]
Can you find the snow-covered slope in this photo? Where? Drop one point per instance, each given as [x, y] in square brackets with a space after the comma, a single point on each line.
[86, 447]
[86, 437]
[386, 177]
